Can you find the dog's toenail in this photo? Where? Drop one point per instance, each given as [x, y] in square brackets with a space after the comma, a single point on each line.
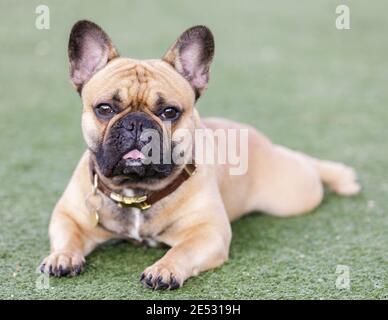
[160, 284]
[149, 281]
[174, 284]
[77, 269]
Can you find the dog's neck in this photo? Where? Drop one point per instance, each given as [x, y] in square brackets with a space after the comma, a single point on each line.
[137, 198]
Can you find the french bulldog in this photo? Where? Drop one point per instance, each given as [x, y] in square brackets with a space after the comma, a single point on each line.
[187, 205]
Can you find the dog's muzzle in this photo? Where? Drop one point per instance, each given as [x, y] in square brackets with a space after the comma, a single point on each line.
[122, 153]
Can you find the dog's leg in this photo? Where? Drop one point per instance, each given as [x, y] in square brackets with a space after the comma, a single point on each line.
[338, 177]
[290, 183]
[201, 248]
[70, 243]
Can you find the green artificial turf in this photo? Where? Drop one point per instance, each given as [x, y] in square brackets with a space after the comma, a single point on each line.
[281, 66]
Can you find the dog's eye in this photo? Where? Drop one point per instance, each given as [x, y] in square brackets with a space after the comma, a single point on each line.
[170, 113]
[104, 110]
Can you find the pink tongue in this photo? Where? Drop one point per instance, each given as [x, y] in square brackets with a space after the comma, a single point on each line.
[134, 155]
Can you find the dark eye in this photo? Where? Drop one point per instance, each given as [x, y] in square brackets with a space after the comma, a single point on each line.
[104, 110]
[170, 113]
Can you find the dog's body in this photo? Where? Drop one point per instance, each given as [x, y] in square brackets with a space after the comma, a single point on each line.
[195, 218]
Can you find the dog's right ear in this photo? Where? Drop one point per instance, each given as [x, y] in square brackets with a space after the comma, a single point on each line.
[90, 49]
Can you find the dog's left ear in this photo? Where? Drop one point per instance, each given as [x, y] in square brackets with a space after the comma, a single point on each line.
[90, 49]
[191, 55]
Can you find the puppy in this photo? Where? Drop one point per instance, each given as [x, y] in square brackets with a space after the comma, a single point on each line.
[188, 205]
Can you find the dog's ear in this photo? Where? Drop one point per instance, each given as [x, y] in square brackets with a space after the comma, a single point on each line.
[90, 49]
[191, 55]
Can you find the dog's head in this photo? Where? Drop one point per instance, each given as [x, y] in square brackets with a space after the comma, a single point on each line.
[132, 108]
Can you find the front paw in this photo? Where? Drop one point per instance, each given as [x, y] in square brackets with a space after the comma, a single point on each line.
[63, 264]
[161, 277]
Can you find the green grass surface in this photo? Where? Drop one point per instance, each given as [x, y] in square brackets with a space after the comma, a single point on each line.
[281, 66]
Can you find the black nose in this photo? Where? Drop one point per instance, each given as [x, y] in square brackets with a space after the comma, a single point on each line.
[135, 125]
[137, 122]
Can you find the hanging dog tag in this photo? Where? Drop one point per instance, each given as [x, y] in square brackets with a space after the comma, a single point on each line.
[94, 205]
[95, 218]
[94, 202]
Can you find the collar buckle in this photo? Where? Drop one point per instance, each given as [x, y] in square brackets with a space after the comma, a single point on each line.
[127, 200]
[143, 205]
[136, 201]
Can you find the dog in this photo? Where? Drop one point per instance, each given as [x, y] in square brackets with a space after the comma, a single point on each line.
[187, 206]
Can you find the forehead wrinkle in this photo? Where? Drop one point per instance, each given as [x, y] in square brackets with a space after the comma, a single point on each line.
[114, 86]
[117, 71]
[169, 79]
[142, 84]
[152, 76]
[138, 91]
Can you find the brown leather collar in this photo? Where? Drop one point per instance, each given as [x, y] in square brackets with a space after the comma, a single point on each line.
[146, 200]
